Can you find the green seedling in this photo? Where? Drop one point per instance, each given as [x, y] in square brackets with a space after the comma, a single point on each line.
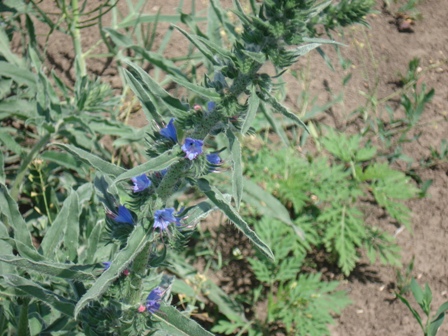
[424, 299]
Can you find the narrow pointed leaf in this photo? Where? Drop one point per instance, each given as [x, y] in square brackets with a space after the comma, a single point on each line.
[173, 322]
[155, 164]
[67, 216]
[438, 319]
[274, 124]
[268, 205]
[119, 39]
[93, 160]
[283, 110]
[237, 171]
[9, 208]
[218, 199]
[203, 91]
[19, 75]
[417, 292]
[215, 48]
[198, 212]
[134, 20]
[435, 324]
[198, 44]
[252, 109]
[66, 271]
[71, 233]
[136, 242]
[92, 243]
[258, 57]
[46, 296]
[159, 61]
[155, 90]
[412, 310]
[141, 91]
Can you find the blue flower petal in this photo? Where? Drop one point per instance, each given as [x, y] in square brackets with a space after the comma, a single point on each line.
[169, 131]
[192, 148]
[141, 182]
[163, 218]
[153, 300]
[106, 264]
[124, 216]
[214, 159]
[211, 105]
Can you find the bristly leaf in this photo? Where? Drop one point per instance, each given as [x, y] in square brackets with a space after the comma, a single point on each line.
[48, 297]
[152, 94]
[175, 323]
[136, 243]
[65, 271]
[10, 209]
[218, 199]
[93, 160]
[210, 94]
[276, 105]
[237, 171]
[252, 109]
[68, 215]
[154, 164]
[198, 44]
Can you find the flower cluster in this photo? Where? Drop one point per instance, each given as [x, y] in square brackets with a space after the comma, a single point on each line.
[191, 147]
[152, 301]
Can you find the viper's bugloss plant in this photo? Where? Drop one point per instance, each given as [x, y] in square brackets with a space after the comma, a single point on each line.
[183, 142]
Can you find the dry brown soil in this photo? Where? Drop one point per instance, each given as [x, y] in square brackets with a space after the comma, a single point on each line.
[378, 54]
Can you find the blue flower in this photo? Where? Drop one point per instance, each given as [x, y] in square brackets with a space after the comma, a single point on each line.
[106, 264]
[211, 105]
[164, 217]
[214, 159]
[153, 300]
[192, 148]
[169, 131]
[123, 216]
[141, 182]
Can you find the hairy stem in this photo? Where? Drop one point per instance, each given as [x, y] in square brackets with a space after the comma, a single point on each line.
[76, 36]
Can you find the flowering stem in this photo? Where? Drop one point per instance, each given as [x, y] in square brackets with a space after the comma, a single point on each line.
[175, 172]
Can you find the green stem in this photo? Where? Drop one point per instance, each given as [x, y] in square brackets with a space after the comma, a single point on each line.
[24, 166]
[76, 36]
[137, 272]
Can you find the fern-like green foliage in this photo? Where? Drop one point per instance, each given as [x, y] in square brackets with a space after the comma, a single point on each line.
[303, 303]
[325, 197]
[306, 306]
